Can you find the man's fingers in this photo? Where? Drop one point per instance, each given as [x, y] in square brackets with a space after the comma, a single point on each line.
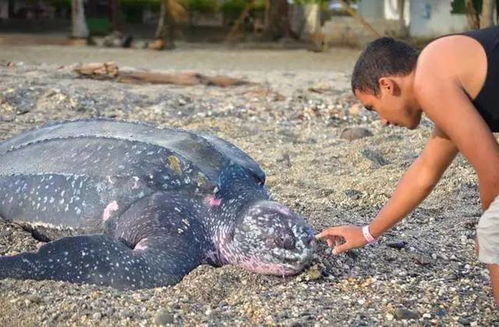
[341, 248]
[330, 232]
[330, 242]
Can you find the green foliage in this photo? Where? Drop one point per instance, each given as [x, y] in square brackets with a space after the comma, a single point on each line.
[99, 26]
[61, 4]
[458, 6]
[233, 7]
[203, 6]
[139, 3]
[307, 2]
[259, 5]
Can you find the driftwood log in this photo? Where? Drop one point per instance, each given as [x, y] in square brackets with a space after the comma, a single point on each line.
[110, 71]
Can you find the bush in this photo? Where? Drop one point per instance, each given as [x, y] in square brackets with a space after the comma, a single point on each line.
[203, 6]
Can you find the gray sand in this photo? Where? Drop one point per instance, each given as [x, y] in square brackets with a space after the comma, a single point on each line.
[423, 272]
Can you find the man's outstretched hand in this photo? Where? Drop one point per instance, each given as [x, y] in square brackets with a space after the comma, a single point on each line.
[343, 238]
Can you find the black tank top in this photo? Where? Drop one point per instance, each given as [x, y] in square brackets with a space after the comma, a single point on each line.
[487, 101]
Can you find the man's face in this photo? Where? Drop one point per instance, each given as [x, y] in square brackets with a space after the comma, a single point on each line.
[391, 106]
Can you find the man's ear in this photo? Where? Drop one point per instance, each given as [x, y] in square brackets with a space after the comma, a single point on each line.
[387, 85]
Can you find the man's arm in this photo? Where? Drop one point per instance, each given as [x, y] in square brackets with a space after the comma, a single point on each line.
[413, 188]
[418, 181]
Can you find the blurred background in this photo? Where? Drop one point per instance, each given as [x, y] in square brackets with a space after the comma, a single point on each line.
[316, 24]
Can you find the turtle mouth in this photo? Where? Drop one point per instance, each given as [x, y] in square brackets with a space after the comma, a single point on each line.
[297, 257]
[283, 267]
[280, 261]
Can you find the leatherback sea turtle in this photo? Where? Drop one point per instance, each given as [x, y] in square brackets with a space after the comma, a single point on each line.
[149, 205]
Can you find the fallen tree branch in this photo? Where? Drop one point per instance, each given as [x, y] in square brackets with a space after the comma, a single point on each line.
[110, 71]
[358, 17]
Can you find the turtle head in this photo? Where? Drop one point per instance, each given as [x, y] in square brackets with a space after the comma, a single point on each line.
[269, 238]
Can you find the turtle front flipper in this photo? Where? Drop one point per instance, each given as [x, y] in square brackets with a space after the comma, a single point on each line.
[99, 259]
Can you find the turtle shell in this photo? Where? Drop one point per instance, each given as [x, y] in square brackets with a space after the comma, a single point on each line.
[94, 162]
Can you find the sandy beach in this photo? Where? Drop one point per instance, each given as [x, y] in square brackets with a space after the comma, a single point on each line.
[424, 272]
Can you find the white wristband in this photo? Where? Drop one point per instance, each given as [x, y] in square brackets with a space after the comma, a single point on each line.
[367, 235]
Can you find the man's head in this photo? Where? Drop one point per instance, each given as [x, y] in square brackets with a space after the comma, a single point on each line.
[382, 81]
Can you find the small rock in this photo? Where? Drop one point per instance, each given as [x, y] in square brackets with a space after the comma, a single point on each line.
[97, 316]
[313, 273]
[422, 259]
[402, 313]
[355, 133]
[353, 194]
[375, 157]
[163, 318]
[397, 244]
[441, 313]
[355, 109]
[285, 159]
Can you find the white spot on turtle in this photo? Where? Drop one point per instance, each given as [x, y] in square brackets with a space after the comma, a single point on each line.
[135, 182]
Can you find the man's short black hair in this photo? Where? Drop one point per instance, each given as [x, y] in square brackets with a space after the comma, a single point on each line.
[382, 57]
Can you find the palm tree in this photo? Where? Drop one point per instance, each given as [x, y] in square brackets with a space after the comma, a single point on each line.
[487, 18]
[172, 12]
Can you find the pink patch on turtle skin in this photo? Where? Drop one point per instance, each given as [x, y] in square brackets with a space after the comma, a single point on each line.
[108, 211]
[213, 201]
[140, 246]
[284, 211]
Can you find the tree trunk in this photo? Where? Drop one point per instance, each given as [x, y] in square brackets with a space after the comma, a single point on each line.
[162, 26]
[114, 8]
[267, 17]
[487, 18]
[312, 19]
[471, 15]
[240, 21]
[277, 20]
[403, 32]
[171, 12]
[79, 24]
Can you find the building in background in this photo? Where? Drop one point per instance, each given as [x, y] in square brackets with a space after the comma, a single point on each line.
[423, 19]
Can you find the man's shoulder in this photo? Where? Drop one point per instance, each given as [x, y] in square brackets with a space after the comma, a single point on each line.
[455, 60]
[449, 50]
[436, 63]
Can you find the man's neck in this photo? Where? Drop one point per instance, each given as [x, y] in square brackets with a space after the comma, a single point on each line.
[407, 85]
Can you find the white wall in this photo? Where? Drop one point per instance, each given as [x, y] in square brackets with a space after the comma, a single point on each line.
[430, 18]
[371, 8]
[392, 11]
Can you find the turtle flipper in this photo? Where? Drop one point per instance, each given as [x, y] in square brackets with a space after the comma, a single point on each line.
[99, 259]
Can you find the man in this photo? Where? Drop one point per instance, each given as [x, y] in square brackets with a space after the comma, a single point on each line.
[455, 83]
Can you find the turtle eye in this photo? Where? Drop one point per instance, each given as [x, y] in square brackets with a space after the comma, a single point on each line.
[285, 242]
